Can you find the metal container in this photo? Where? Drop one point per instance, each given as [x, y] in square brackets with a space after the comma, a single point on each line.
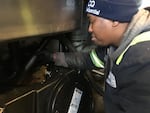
[28, 18]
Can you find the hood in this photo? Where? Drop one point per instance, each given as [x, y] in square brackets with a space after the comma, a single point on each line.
[139, 24]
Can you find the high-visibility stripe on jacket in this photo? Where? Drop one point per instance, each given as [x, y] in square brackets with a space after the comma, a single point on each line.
[95, 59]
[138, 39]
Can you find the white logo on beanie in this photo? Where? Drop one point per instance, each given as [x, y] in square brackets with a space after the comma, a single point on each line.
[91, 3]
[91, 8]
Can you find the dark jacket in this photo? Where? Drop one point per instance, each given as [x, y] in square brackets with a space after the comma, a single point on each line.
[128, 81]
[128, 68]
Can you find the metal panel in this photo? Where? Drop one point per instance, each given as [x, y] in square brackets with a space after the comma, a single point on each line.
[23, 18]
[18, 100]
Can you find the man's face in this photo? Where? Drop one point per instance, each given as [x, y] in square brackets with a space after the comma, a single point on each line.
[101, 30]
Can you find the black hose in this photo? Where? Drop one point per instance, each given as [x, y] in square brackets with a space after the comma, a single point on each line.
[97, 88]
[31, 61]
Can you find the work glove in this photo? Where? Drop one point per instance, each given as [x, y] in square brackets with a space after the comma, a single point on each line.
[58, 58]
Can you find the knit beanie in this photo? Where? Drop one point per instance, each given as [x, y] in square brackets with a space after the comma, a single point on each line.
[117, 10]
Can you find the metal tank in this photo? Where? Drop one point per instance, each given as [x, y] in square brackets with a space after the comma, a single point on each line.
[27, 86]
[28, 18]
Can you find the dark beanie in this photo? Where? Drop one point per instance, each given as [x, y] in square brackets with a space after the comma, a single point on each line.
[119, 10]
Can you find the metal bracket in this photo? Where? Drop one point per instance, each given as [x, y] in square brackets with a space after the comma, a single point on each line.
[1, 110]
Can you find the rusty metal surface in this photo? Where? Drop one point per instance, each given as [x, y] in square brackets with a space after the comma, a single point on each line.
[23, 18]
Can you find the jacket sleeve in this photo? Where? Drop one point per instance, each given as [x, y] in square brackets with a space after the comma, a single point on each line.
[80, 60]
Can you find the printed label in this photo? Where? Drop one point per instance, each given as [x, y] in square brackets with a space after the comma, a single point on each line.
[75, 101]
[111, 80]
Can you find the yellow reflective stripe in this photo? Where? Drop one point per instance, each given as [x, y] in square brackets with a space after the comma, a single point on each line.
[96, 61]
[140, 38]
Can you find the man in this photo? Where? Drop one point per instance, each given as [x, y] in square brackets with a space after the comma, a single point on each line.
[125, 30]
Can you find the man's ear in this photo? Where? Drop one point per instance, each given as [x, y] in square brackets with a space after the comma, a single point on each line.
[115, 23]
